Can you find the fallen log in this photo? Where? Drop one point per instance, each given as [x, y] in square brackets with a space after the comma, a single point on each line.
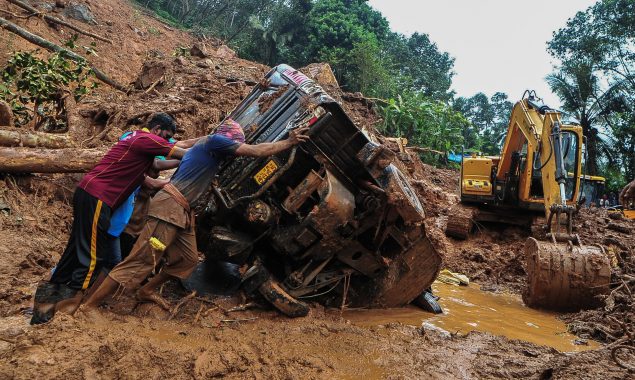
[36, 160]
[55, 20]
[37, 40]
[619, 228]
[33, 140]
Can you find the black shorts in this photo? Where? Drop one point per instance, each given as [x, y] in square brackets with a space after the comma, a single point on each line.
[88, 245]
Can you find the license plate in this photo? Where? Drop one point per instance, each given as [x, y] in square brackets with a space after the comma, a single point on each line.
[266, 172]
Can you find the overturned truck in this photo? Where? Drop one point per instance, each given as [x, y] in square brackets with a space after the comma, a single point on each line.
[332, 219]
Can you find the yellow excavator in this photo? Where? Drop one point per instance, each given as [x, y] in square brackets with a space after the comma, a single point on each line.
[535, 182]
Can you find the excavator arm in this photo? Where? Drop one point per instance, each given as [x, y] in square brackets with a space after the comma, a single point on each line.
[548, 151]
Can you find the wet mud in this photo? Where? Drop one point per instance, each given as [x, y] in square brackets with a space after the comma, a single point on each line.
[468, 308]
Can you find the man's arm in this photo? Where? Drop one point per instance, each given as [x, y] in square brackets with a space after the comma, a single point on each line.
[176, 152]
[296, 136]
[165, 164]
[188, 143]
[154, 184]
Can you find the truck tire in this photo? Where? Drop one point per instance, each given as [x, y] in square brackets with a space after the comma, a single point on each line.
[281, 300]
[409, 274]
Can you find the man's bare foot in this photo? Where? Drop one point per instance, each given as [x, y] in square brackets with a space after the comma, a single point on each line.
[153, 297]
[70, 305]
[88, 313]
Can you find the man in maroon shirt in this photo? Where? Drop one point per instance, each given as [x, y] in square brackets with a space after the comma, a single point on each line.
[101, 191]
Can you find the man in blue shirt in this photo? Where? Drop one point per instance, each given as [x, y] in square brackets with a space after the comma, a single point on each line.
[169, 231]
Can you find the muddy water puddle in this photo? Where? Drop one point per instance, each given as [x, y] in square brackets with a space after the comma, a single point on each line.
[467, 308]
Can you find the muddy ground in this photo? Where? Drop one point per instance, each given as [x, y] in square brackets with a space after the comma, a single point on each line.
[204, 339]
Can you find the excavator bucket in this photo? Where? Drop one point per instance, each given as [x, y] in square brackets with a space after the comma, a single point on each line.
[565, 277]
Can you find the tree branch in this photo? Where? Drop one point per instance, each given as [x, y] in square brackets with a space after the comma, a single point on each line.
[56, 20]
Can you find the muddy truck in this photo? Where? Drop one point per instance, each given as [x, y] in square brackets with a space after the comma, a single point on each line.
[331, 220]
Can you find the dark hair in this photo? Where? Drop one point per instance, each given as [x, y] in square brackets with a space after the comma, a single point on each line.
[163, 121]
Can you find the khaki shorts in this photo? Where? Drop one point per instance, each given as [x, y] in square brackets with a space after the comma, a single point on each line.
[181, 255]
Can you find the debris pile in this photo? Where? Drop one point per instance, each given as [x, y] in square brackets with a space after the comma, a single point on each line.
[615, 321]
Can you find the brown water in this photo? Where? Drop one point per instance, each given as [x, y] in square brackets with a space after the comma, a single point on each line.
[467, 308]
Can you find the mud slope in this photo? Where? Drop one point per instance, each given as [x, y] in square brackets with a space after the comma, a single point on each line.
[134, 34]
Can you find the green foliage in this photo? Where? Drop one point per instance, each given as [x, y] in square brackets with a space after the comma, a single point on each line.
[420, 65]
[154, 31]
[425, 122]
[489, 118]
[334, 29]
[372, 70]
[615, 179]
[35, 87]
[596, 83]
[181, 51]
[350, 35]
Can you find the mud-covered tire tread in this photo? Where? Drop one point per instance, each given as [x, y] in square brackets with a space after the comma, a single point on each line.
[281, 300]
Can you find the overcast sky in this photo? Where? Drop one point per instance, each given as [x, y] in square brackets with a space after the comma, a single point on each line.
[498, 45]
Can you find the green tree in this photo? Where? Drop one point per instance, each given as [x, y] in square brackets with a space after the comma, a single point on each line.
[426, 123]
[596, 80]
[489, 118]
[333, 29]
[420, 64]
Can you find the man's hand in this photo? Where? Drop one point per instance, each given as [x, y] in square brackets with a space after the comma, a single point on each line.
[186, 144]
[159, 165]
[297, 136]
[627, 194]
[155, 184]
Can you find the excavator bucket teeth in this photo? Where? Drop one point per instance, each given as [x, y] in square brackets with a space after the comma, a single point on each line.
[565, 277]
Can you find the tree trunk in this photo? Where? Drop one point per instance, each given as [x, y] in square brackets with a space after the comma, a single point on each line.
[33, 160]
[592, 150]
[33, 139]
[56, 20]
[6, 114]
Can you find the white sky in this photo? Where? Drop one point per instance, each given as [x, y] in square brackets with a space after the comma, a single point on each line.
[498, 45]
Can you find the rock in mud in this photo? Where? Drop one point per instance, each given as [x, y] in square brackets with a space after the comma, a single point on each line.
[225, 52]
[199, 50]
[79, 12]
[151, 72]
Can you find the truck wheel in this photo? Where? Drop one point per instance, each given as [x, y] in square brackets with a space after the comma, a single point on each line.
[409, 274]
[428, 302]
[281, 300]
